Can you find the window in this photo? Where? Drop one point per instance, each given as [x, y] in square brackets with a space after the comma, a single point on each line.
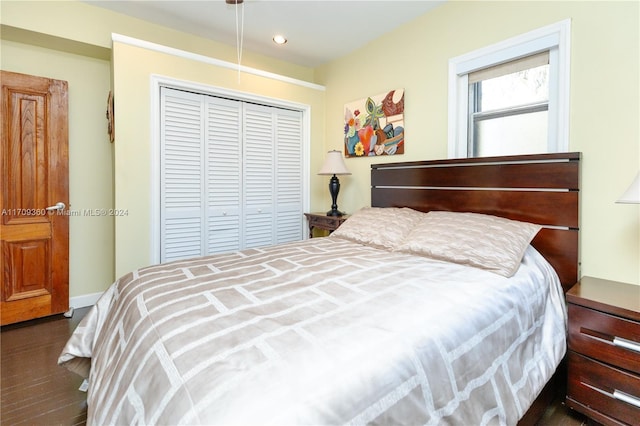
[509, 108]
[511, 98]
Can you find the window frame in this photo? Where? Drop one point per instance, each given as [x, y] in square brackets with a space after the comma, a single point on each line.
[554, 38]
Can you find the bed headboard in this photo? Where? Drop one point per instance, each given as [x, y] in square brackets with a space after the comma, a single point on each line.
[541, 189]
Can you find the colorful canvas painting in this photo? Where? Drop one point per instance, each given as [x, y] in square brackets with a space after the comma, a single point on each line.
[375, 125]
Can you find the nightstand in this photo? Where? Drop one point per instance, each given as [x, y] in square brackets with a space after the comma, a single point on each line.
[322, 221]
[604, 351]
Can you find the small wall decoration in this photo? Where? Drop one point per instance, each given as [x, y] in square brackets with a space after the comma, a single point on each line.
[110, 126]
[375, 125]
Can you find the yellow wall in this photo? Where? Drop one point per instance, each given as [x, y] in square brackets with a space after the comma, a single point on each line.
[91, 248]
[133, 67]
[604, 105]
[71, 40]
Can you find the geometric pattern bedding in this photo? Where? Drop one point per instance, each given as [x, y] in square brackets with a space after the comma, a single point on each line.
[322, 331]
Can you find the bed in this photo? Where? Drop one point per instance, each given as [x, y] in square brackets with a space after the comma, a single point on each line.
[375, 324]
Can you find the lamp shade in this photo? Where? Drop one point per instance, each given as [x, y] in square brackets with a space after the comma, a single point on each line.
[334, 165]
[632, 194]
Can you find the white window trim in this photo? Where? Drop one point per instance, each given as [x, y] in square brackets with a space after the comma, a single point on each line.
[556, 39]
[158, 81]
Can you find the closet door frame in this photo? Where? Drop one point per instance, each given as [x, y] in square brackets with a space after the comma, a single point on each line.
[162, 81]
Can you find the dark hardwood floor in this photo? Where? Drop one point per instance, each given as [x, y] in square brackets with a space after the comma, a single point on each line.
[36, 391]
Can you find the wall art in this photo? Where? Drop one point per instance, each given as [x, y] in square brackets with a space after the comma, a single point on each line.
[375, 125]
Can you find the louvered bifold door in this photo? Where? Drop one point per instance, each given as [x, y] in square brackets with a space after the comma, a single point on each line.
[231, 175]
[224, 177]
[182, 226]
[259, 175]
[288, 191]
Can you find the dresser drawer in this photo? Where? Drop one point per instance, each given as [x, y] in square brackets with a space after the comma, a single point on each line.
[603, 388]
[605, 337]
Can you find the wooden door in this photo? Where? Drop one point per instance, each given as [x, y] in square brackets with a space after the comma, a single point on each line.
[34, 233]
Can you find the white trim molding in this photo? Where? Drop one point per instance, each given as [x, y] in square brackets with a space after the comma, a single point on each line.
[211, 61]
[84, 300]
[554, 38]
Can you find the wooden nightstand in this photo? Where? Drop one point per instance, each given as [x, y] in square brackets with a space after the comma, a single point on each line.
[322, 221]
[604, 351]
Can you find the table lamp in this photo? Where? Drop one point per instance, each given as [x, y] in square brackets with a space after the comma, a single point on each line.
[632, 194]
[334, 165]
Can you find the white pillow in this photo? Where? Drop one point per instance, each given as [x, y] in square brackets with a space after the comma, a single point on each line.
[483, 241]
[381, 227]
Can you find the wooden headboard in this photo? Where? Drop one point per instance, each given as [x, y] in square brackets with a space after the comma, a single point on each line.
[541, 189]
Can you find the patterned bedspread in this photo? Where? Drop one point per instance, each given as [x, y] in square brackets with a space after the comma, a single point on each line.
[323, 331]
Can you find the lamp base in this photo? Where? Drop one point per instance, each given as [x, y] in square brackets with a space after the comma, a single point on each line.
[336, 212]
[334, 188]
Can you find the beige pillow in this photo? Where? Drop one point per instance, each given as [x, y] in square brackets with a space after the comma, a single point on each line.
[381, 227]
[483, 241]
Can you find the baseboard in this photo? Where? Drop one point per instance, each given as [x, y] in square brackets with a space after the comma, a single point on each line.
[84, 300]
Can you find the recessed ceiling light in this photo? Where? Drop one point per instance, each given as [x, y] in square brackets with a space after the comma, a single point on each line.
[279, 39]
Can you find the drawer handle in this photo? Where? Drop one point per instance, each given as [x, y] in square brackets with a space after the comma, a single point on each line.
[619, 395]
[627, 344]
[613, 340]
[629, 399]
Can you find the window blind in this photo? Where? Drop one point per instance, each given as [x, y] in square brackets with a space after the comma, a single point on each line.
[510, 67]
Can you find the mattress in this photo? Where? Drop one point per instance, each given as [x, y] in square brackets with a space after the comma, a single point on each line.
[322, 331]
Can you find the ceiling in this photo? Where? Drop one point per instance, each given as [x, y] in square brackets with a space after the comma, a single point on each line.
[317, 31]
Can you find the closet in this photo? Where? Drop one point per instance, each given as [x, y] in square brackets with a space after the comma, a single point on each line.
[230, 175]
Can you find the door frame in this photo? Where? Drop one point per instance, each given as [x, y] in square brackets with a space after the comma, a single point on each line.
[159, 81]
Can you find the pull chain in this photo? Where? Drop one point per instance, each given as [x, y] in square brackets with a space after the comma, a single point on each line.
[239, 37]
